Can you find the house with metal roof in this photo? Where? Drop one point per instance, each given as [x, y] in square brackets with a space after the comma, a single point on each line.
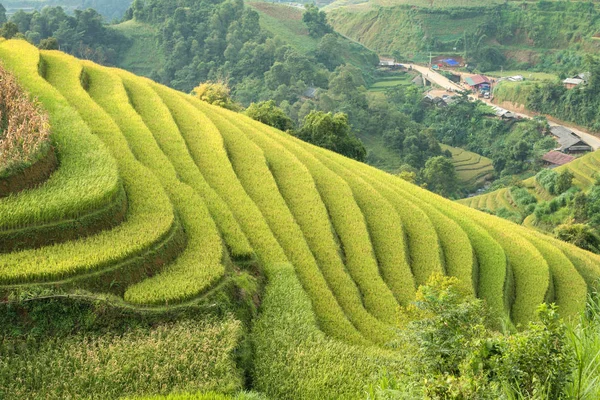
[555, 158]
[570, 83]
[569, 141]
[477, 82]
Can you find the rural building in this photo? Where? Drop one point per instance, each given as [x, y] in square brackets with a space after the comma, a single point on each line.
[505, 114]
[569, 141]
[556, 159]
[478, 83]
[570, 83]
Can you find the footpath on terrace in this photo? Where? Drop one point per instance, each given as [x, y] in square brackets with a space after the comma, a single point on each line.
[440, 80]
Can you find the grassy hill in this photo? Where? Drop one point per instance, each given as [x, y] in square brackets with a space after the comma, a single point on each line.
[285, 22]
[215, 203]
[143, 54]
[552, 36]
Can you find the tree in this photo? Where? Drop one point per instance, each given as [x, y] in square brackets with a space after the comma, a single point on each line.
[9, 30]
[327, 51]
[580, 235]
[440, 176]
[564, 181]
[332, 132]
[49, 44]
[268, 113]
[217, 93]
[2, 14]
[316, 21]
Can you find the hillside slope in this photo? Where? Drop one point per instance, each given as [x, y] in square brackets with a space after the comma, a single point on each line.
[341, 244]
[552, 35]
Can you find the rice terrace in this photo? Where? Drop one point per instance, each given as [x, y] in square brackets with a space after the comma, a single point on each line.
[162, 244]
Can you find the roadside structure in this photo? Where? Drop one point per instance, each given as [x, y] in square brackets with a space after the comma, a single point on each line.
[569, 141]
[478, 83]
[553, 159]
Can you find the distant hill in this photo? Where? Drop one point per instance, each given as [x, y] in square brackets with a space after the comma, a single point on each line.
[110, 9]
[549, 35]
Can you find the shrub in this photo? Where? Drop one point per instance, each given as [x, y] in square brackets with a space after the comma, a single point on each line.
[580, 235]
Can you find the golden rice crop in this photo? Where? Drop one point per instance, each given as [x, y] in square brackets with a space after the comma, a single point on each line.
[351, 228]
[570, 291]
[198, 267]
[150, 215]
[24, 126]
[206, 148]
[172, 143]
[385, 228]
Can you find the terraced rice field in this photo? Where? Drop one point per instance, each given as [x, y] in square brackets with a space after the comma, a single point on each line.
[470, 167]
[585, 169]
[384, 83]
[343, 245]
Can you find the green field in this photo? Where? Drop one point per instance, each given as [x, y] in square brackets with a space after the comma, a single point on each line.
[383, 83]
[470, 167]
[218, 205]
[528, 75]
[143, 55]
[285, 22]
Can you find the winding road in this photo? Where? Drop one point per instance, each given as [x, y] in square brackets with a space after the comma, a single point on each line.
[446, 83]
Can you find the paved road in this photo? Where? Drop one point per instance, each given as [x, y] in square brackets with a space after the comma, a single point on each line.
[446, 83]
[435, 77]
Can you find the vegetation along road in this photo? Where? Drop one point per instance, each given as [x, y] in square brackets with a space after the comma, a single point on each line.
[444, 82]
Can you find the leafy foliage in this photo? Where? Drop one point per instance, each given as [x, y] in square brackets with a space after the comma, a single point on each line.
[217, 93]
[83, 34]
[316, 21]
[331, 132]
[268, 113]
[440, 176]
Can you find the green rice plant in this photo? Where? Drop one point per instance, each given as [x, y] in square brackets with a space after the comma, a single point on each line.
[198, 267]
[87, 179]
[481, 202]
[363, 220]
[384, 228]
[294, 360]
[298, 189]
[424, 249]
[502, 200]
[456, 248]
[349, 224]
[174, 146]
[206, 147]
[150, 219]
[459, 256]
[490, 202]
[529, 268]
[569, 289]
[188, 355]
[491, 272]
[587, 264]
[254, 174]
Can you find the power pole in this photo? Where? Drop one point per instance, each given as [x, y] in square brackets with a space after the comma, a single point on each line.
[430, 58]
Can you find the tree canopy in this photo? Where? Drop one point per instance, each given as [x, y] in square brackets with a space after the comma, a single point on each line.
[332, 131]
